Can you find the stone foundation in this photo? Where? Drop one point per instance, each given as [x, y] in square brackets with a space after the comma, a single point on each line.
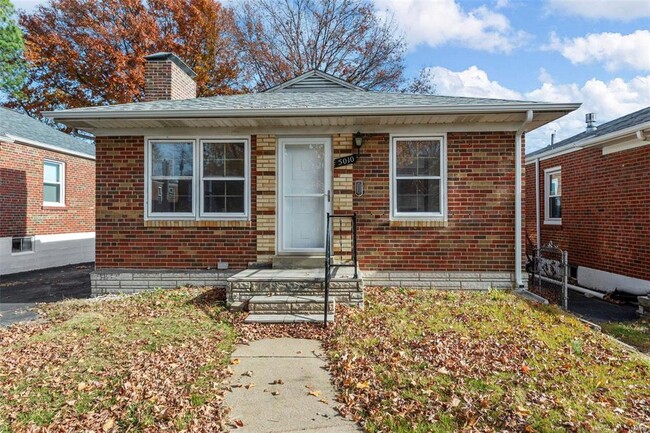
[115, 281]
[347, 291]
[441, 280]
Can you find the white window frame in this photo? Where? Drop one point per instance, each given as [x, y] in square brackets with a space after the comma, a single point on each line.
[197, 213]
[428, 216]
[17, 253]
[547, 196]
[60, 184]
[148, 178]
[225, 216]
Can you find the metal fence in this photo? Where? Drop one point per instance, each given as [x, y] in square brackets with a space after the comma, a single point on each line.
[548, 272]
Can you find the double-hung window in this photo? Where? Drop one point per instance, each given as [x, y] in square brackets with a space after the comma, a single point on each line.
[418, 177]
[553, 195]
[197, 179]
[223, 178]
[53, 183]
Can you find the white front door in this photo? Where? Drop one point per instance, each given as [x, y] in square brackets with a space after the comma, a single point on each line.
[304, 196]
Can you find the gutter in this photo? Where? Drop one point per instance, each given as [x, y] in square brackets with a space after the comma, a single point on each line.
[83, 114]
[518, 274]
[637, 130]
[538, 228]
[14, 139]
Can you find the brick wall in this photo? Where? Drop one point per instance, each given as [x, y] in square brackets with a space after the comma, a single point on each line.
[605, 209]
[125, 240]
[164, 80]
[479, 235]
[21, 193]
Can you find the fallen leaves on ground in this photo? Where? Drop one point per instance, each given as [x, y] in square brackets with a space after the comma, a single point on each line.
[150, 362]
[481, 362]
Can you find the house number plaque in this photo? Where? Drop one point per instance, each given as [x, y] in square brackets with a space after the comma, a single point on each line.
[345, 160]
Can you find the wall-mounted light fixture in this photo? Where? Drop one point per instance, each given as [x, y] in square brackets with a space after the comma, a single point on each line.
[358, 142]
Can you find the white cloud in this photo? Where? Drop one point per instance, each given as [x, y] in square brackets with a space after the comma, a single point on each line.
[618, 10]
[435, 23]
[614, 50]
[473, 82]
[608, 100]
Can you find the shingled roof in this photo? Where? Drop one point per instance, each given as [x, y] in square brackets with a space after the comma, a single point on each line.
[622, 123]
[17, 126]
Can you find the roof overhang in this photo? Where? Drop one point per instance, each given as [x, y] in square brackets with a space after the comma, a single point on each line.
[8, 138]
[623, 139]
[100, 122]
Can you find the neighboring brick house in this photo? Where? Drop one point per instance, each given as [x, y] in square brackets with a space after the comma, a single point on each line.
[186, 184]
[593, 194]
[47, 196]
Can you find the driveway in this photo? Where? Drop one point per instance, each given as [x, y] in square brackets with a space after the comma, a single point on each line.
[19, 293]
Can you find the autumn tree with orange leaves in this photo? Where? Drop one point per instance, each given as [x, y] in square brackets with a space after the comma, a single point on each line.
[83, 53]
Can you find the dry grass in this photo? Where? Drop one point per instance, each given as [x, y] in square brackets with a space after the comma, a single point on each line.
[428, 361]
[151, 362]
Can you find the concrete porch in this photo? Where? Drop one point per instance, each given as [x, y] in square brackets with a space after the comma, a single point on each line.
[291, 295]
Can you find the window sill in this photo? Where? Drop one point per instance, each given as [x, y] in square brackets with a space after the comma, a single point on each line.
[553, 222]
[198, 223]
[22, 253]
[418, 223]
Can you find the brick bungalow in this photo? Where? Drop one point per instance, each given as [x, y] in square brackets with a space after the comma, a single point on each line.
[47, 196]
[590, 195]
[196, 189]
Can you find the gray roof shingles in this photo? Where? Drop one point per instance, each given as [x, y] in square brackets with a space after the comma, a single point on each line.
[627, 121]
[298, 100]
[22, 126]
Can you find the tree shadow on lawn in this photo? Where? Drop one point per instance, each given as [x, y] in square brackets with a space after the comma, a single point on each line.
[211, 301]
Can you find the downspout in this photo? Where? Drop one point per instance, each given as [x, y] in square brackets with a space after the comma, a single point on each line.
[518, 276]
[538, 227]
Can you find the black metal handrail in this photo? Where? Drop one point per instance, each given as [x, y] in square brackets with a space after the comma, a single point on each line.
[329, 233]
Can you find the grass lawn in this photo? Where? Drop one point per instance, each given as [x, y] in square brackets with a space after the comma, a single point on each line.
[635, 334]
[150, 362]
[412, 361]
[427, 361]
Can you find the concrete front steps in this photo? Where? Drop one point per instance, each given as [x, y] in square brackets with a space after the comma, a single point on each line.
[291, 295]
[344, 288]
[289, 309]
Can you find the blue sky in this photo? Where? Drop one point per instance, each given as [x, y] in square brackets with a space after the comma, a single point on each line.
[596, 52]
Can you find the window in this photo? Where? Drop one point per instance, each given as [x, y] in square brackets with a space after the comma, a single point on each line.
[53, 183]
[22, 245]
[553, 195]
[223, 178]
[197, 179]
[418, 181]
[172, 176]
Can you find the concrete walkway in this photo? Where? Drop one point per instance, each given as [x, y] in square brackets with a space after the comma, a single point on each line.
[281, 385]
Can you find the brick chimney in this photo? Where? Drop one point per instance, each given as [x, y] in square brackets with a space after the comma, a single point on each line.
[167, 77]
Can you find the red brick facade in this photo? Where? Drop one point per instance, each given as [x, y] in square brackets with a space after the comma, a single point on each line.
[21, 193]
[478, 237]
[605, 209]
[123, 240]
[164, 80]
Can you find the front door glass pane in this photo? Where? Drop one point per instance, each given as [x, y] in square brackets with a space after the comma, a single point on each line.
[304, 196]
